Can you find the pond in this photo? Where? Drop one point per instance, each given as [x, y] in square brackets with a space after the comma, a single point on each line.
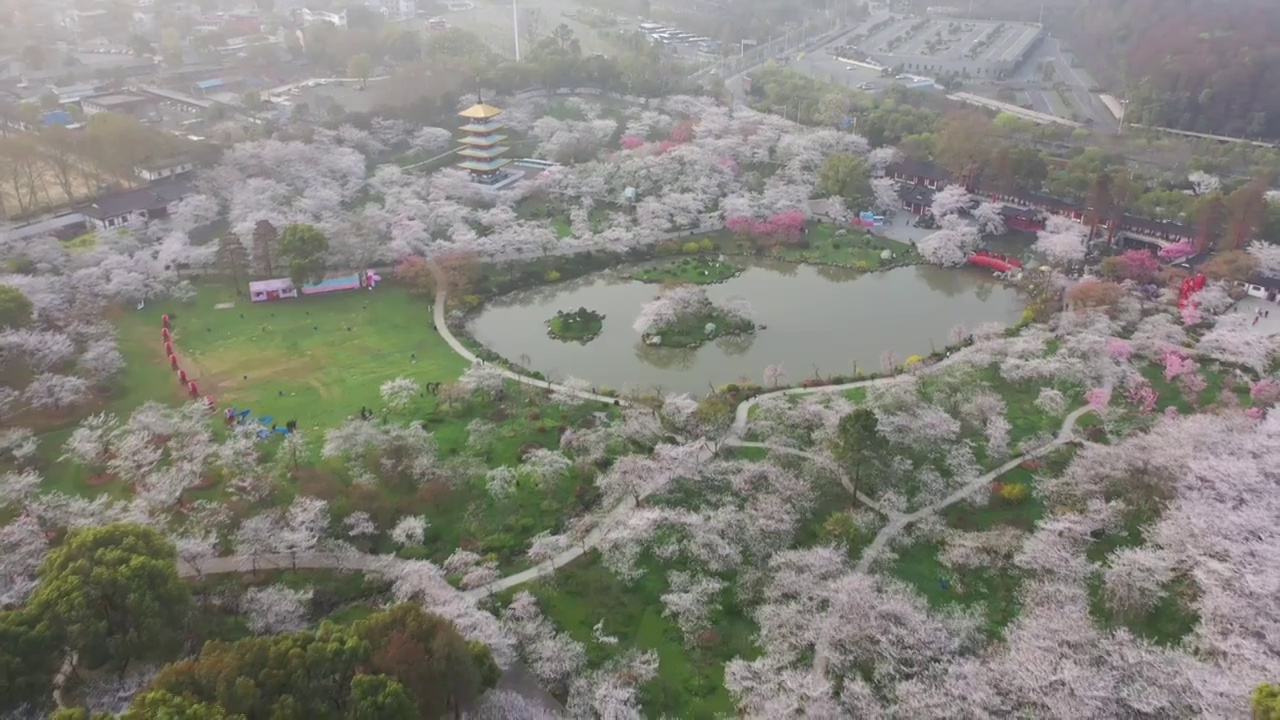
[817, 320]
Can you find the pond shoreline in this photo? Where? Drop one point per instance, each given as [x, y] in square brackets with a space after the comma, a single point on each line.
[851, 317]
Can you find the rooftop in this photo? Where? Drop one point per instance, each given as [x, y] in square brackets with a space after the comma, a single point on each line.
[116, 99]
[152, 197]
[480, 111]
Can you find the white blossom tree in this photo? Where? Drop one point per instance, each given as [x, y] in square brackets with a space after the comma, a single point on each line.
[276, 608]
[400, 393]
[948, 201]
[990, 220]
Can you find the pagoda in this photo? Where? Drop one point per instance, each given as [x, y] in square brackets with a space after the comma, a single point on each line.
[483, 153]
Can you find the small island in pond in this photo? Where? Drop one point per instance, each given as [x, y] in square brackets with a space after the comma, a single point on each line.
[693, 270]
[581, 325]
[683, 316]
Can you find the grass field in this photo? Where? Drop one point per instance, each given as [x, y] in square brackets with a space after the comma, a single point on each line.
[314, 359]
[859, 250]
[690, 681]
[696, 271]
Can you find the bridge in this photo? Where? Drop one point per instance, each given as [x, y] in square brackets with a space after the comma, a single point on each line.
[994, 261]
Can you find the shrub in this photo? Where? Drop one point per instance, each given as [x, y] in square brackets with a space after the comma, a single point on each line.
[706, 245]
[690, 247]
[1014, 492]
[552, 276]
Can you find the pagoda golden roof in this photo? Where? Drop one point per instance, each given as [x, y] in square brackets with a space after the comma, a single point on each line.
[480, 111]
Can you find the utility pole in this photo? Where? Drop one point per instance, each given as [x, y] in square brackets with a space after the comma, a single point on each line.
[515, 24]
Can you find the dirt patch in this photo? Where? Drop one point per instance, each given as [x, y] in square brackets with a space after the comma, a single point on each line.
[206, 482]
[98, 480]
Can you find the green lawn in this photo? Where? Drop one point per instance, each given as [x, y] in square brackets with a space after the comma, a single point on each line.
[919, 565]
[858, 249]
[314, 359]
[690, 681]
[693, 270]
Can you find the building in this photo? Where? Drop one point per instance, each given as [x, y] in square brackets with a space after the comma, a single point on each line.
[919, 172]
[310, 17]
[483, 153]
[130, 206]
[122, 103]
[160, 169]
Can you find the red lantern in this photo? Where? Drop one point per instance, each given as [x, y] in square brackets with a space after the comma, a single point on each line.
[164, 334]
[173, 362]
[182, 377]
[168, 347]
[165, 320]
[193, 389]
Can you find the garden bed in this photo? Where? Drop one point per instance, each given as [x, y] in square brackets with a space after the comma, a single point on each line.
[581, 325]
[698, 329]
[695, 270]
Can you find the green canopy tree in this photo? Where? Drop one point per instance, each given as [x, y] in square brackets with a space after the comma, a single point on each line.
[233, 257]
[294, 676]
[30, 653]
[16, 309]
[858, 443]
[1266, 702]
[166, 705]
[401, 663]
[361, 67]
[303, 247]
[115, 593]
[265, 238]
[378, 697]
[427, 655]
[846, 176]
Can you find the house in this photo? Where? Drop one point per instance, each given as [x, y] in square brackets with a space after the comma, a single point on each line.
[1020, 218]
[916, 199]
[1261, 286]
[1162, 231]
[130, 206]
[919, 172]
[123, 103]
[1033, 200]
[161, 169]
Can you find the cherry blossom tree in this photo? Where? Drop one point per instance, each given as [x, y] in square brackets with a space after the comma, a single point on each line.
[884, 193]
[1268, 257]
[56, 392]
[360, 524]
[554, 658]
[990, 220]
[484, 379]
[276, 609]
[544, 466]
[951, 245]
[611, 691]
[775, 376]
[1202, 183]
[1136, 578]
[23, 545]
[409, 530]
[1051, 402]
[1234, 340]
[101, 361]
[501, 482]
[691, 600]
[948, 201]
[1062, 241]
[399, 394]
